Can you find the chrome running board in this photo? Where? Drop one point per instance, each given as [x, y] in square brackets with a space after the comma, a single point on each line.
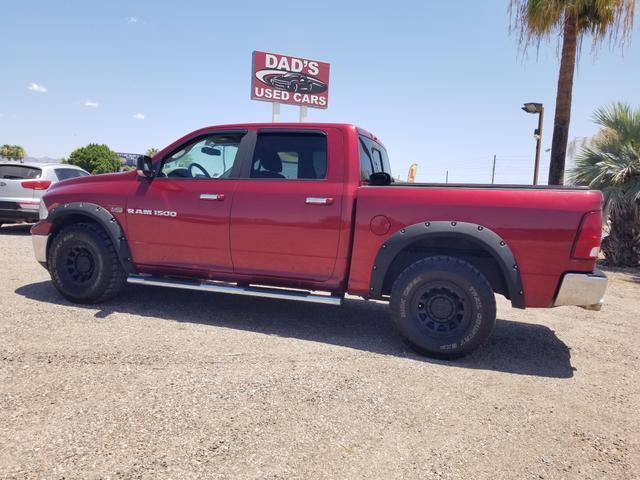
[219, 287]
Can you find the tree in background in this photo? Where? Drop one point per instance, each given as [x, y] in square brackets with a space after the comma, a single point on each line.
[537, 20]
[18, 152]
[5, 151]
[610, 162]
[12, 152]
[151, 151]
[95, 159]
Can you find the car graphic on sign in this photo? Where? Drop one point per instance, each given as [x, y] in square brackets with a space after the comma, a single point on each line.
[296, 82]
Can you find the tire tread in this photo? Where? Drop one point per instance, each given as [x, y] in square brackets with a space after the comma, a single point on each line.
[118, 277]
[456, 264]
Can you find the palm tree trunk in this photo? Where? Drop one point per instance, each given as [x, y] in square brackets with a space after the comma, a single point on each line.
[563, 99]
[621, 247]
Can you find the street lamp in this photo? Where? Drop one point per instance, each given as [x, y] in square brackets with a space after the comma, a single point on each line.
[533, 107]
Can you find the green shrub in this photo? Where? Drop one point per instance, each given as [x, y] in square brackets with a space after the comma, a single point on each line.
[95, 159]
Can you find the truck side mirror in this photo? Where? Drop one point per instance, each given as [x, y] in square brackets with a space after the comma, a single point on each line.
[144, 166]
[380, 178]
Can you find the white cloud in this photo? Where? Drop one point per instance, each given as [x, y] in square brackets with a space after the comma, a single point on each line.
[88, 103]
[139, 116]
[34, 87]
[132, 19]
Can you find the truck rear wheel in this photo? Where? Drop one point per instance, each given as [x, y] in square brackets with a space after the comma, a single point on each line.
[84, 265]
[443, 307]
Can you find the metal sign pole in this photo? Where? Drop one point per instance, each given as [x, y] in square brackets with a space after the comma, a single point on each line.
[493, 171]
[304, 111]
[275, 112]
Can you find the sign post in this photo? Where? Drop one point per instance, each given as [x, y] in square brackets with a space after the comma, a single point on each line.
[304, 112]
[297, 81]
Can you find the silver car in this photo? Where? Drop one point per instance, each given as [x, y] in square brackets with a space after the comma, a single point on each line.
[22, 185]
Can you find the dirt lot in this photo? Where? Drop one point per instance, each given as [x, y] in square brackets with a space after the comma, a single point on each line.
[174, 384]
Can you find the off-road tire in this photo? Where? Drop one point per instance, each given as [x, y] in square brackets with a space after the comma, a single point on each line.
[443, 307]
[84, 265]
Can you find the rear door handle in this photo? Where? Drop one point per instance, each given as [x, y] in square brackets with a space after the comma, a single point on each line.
[212, 196]
[319, 200]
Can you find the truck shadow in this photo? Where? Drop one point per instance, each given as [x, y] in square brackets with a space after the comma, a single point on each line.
[515, 347]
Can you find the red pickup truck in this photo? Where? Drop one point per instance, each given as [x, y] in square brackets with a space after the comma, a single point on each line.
[308, 212]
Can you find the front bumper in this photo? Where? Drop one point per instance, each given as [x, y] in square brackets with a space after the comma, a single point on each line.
[40, 248]
[584, 290]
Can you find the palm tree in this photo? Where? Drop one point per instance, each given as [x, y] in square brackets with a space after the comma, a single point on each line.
[12, 152]
[610, 162]
[18, 152]
[5, 151]
[537, 20]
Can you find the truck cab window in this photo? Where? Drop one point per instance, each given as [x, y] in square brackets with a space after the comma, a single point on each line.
[290, 156]
[373, 158]
[212, 156]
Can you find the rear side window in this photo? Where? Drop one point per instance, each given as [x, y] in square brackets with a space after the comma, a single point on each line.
[373, 158]
[19, 172]
[64, 173]
[290, 156]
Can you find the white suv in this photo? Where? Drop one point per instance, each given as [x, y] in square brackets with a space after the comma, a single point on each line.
[22, 185]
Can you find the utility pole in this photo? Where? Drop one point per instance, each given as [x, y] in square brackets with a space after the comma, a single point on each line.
[493, 171]
[446, 178]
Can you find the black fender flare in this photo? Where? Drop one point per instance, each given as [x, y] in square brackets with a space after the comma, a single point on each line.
[479, 234]
[103, 217]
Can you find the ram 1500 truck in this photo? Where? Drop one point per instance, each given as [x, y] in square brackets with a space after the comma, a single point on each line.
[308, 212]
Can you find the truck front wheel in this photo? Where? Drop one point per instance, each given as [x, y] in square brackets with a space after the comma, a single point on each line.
[443, 307]
[84, 265]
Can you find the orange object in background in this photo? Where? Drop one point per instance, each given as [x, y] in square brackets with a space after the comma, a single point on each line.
[413, 169]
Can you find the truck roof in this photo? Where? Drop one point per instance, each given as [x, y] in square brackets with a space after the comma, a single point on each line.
[288, 125]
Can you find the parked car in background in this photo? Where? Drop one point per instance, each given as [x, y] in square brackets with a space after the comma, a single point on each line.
[22, 185]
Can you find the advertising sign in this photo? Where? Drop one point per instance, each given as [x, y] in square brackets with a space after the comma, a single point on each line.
[293, 80]
[129, 159]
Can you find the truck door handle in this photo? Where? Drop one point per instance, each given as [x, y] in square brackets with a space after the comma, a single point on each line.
[212, 196]
[319, 200]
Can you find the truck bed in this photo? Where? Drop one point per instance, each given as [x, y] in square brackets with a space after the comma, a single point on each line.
[489, 185]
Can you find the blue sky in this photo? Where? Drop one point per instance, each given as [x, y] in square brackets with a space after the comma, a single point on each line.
[441, 83]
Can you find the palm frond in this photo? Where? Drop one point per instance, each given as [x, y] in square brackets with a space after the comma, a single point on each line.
[621, 119]
[610, 161]
[539, 20]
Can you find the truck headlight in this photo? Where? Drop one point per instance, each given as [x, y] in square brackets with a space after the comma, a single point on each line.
[43, 212]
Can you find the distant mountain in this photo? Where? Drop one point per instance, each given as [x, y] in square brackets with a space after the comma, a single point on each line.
[42, 159]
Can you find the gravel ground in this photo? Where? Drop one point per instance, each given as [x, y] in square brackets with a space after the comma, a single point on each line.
[175, 384]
